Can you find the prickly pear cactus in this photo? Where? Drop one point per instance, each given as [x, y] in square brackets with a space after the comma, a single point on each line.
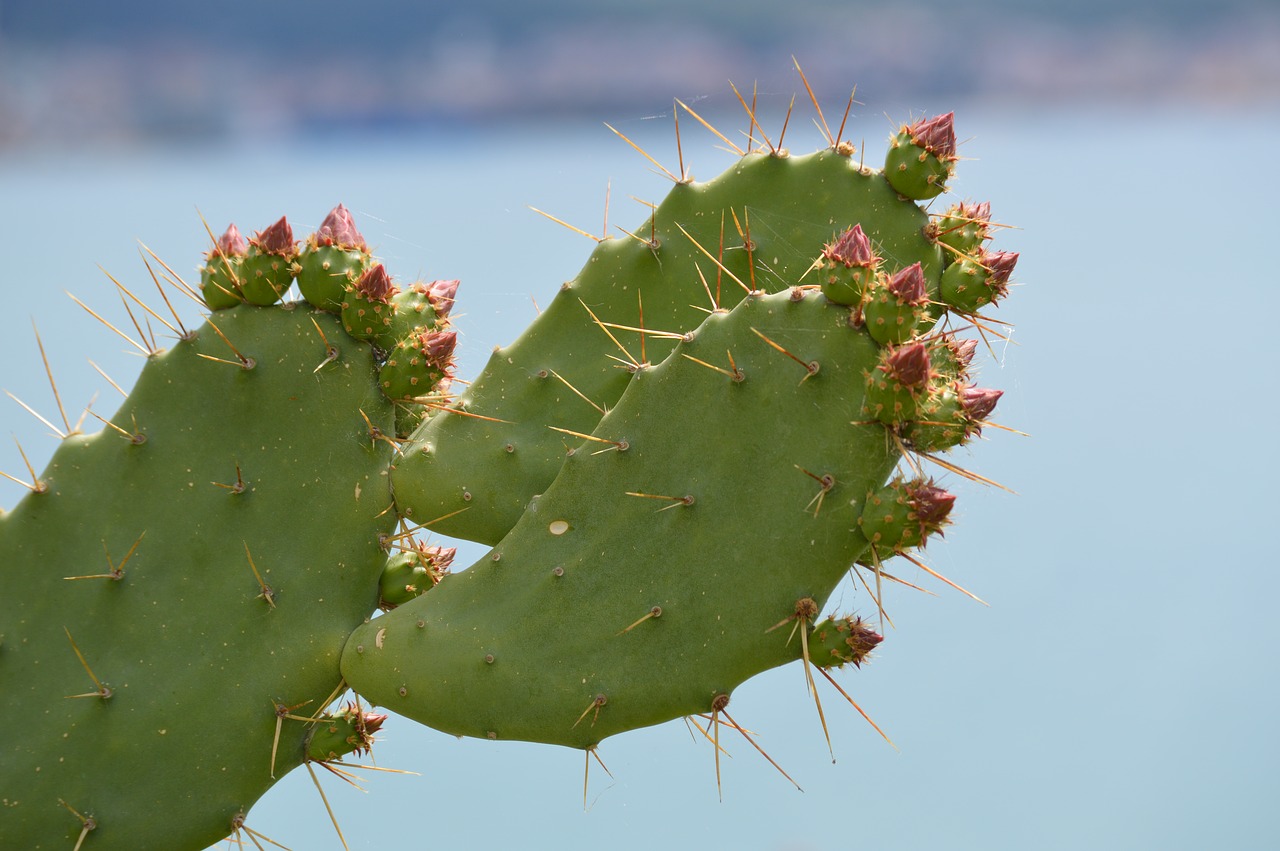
[703, 248]
[710, 512]
[177, 588]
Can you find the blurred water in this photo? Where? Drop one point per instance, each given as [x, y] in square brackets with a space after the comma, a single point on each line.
[1120, 690]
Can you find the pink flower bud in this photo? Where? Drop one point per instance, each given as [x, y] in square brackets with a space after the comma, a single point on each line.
[852, 248]
[974, 212]
[931, 504]
[231, 243]
[1000, 266]
[908, 365]
[908, 285]
[979, 402]
[339, 228]
[375, 284]
[964, 351]
[936, 135]
[438, 346]
[441, 294]
[277, 239]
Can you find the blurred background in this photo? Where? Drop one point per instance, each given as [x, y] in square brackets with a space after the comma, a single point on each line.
[1120, 691]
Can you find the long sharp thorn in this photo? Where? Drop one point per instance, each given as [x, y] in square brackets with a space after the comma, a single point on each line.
[936, 575]
[783, 134]
[643, 153]
[247, 362]
[605, 329]
[744, 231]
[752, 741]
[36, 485]
[126, 291]
[713, 259]
[49, 372]
[811, 368]
[463, 413]
[563, 223]
[960, 471]
[102, 691]
[879, 595]
[123, 335]
[578, 392]
[267, 594]
[608, 189]
[61, 435]
[884, 616]
[184, 333]
[847, 108]
[855, 705]
[813, 688]
[715, 306]
[704, 123]
[87, 823]
[825, 129]
[616, 444]
[754, 125]
[327, 808]
[684, 175]
[175, 280]
[109, 379]
[150, 348]
[640, 302]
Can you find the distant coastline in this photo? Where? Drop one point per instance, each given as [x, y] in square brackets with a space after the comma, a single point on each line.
[166, 87]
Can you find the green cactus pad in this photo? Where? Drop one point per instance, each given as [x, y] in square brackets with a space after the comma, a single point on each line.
[209, 576]
[700, 483]
[491, 464]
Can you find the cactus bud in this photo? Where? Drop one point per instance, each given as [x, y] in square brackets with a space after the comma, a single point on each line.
[936, 135]
[908, 365]
[442, 294]
[841, 641]
[979, 402]
[375, 285]
[339, 228]
[220, 277]
[231, 243]
[276, 239]
[438, 346]
[850, 265]
[908, 285]
[921, 157]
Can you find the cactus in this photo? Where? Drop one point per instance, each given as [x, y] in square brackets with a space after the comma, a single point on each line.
[178, 587]
[707, 429]
[703, 248]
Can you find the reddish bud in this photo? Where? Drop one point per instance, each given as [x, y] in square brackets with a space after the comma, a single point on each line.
[373, 722]
[908, 285]
[999, 265]
[437, 347]
[931, 504]
[442, 295]
[964, 351]
[439, 558]
[979, 402]
[231, 243]
[862, 640]
[277, 239]
[339, 228]
[375, 284]
[936, 135]
[908, 365]
[978, 212]
[852, 248]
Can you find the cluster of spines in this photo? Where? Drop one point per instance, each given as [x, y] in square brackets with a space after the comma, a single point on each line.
[335, 271]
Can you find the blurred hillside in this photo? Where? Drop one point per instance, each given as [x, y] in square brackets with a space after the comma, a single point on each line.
[150, 70]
